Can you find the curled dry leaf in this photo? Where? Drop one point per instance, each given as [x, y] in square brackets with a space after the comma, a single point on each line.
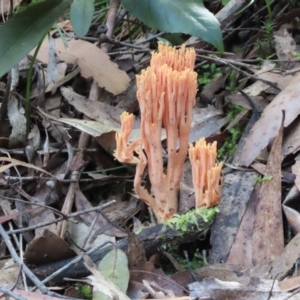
[267, 127]
[93, 62]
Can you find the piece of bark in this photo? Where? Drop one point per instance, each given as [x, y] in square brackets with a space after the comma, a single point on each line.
[152, 239]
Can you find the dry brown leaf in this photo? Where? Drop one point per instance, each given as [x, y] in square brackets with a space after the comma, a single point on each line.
[289, 284]
[237, 189]
[266, 128]
[241, 253]
[285, 46]
[100, 112]
[268, 219]
[47, 248]
[93, 62]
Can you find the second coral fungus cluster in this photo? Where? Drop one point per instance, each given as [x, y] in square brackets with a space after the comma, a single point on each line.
[166, 92]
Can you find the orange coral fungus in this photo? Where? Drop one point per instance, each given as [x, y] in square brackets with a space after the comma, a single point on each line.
[123, 152]
[166, 93]
[206, 173]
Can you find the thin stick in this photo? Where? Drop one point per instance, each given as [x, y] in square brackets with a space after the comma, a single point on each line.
[100, 207]
[72, 263]
[26, 270]
[11, 294]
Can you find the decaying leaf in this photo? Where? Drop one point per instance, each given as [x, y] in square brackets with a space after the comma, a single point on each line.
[241, 251]
[255, 289]
[47, 248]
[267, 127]
[101, 112]
[268, 219]
[237, 189]
[96, 64]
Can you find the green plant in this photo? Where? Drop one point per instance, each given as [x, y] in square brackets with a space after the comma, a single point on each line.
[84, 290]
[21, 33]
[232, 86]
[296, 55]
[196, 263]
[230, 144]
[232, 111]
[260, 179]
[266, 43]
[207, 73]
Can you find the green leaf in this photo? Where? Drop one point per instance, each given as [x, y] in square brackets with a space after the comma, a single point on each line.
[114, 267]
[185, 16]
[81, 15]
[23, 31]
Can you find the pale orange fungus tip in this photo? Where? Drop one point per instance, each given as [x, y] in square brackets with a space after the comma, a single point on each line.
[125, 153]
[206, 173]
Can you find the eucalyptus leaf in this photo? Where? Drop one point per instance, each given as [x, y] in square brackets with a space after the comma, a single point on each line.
[23, 31]
[185, 16]
[81, 15]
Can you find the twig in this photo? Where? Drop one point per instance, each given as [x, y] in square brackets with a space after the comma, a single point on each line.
[229, 64]
[26, 270]
[100, 207]
[11, 294]
[88, 234]
[138, 51]
[110, 23]
[72, 263]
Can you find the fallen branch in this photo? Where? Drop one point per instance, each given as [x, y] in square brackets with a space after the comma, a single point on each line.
[152, 239]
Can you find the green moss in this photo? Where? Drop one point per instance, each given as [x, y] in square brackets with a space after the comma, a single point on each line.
[181, 223]
[85, 290]
[260, 179]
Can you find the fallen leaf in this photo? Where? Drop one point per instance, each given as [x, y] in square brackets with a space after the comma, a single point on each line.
[101, 284]
[101, 112]
[237, 189]
[267, 127]
[290, 208]
[96, 64]
[289, 284]
[206, 122]
[256, 289]
[47, 248]
[268, 219]
[285, 46]
[291, 139]
[114, 267]
[241, 251]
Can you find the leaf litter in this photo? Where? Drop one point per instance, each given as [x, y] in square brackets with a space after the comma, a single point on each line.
[248, 251]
